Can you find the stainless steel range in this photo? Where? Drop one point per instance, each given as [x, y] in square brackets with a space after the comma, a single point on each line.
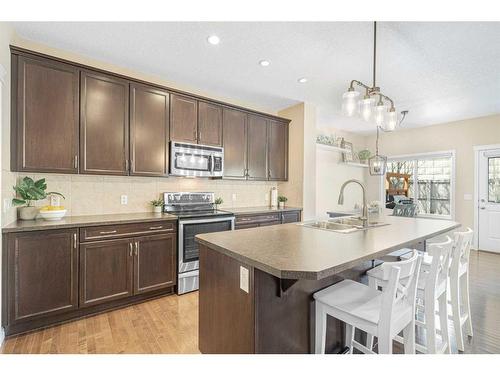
[196, 214]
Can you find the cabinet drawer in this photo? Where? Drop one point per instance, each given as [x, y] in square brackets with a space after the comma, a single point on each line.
[125, 230]
[290, 217]
[257, 219]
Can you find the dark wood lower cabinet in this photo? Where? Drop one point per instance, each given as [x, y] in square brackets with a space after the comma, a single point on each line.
[105, 271]
[265, 219]
[154, 262]
[42, 274]
[49, 277]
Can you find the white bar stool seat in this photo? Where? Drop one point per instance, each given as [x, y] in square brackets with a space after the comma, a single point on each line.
[380, 313]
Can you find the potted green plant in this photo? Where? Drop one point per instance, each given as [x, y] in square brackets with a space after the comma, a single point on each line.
[157, 205]
[364, 155]
[27, 191]
[217, 202]
[281, 201]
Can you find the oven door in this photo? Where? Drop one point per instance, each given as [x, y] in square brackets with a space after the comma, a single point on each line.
[188, 247]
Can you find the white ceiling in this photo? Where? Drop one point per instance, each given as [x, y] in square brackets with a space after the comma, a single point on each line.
[440, 72]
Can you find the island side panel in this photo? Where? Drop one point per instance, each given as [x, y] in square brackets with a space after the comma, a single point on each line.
[226, 312]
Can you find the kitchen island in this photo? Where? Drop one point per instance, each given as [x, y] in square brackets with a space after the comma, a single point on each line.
[256, 285]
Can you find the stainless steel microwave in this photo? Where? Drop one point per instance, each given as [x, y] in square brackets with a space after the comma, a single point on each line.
[194, 160]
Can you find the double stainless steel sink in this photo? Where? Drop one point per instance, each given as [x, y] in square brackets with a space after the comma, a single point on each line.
[342, 224]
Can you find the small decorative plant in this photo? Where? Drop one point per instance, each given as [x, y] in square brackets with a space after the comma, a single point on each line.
[157, 205]
[27, 191]
[281, 201]
[364, 155]
[218, 201]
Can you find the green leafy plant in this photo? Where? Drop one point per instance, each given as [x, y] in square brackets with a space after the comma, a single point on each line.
[28, 191]
[282, 198]
[364, 154]
[157, 202]
[218, 201]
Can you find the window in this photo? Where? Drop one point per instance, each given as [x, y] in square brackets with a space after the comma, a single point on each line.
[430, 180]
[494, 179]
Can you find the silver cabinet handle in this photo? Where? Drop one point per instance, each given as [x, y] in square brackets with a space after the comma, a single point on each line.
[130, 249]
[108, 232]
[158, 227]
[136, 248]
[74, 240]
[75, 162]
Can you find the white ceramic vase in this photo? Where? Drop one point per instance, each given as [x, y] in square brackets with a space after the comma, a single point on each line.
[28, 213]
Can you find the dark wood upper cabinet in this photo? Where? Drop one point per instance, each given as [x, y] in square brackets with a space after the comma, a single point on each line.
[183, 119]
[149, 131]
[42, 272]
[155, 262]
[209, 124]
[104, 124]
[257, 148]
[235, 143]
[45, 116]
[105, 271]
[278, 151]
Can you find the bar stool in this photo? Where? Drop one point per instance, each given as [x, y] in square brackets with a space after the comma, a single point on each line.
[459, 286]
[380, 313]
[432, 290]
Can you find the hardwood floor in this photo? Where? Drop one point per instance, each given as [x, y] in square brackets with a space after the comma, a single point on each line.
[170, 324]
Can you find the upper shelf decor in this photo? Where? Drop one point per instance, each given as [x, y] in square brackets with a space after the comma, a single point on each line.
[373, 106]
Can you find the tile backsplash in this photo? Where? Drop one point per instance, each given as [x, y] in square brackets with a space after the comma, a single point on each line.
[93, 195]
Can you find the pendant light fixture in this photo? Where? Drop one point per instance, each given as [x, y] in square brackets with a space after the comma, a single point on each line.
[373, 107]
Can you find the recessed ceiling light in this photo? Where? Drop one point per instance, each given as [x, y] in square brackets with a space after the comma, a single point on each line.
[302, 80]
[264, 62]
[213, 39]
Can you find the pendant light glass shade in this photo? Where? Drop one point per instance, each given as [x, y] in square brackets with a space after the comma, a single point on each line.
[366, 108]
[391, 121]
[380, 111]
[349, 102]
[377, 165]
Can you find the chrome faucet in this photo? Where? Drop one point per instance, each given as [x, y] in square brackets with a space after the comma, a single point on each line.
[364, 218]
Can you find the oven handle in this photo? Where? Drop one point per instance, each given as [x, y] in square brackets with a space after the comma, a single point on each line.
[198, 221]
[211, 164]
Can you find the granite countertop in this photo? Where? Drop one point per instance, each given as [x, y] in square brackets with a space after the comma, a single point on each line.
[293, 251]
[260, 210]
[85, 221]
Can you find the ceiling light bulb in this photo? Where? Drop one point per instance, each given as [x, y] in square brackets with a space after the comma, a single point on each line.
[213, 39]
[302, 80]
[349, 101]
[365, 108]
[264, 63]
[392, 120]
[379, 114]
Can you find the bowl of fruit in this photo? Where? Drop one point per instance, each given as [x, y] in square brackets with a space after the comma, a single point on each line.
[52, 212]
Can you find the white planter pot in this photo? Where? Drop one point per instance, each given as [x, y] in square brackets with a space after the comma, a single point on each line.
[28, 213]
[281, 205]
[157, 209]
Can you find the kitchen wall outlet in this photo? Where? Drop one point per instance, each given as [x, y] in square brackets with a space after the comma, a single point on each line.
[244, 279]
[467, 197]
[7, 205]
[233, 197]
[123, 199]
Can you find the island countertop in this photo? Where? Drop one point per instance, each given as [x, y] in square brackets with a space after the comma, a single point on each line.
[294, 251]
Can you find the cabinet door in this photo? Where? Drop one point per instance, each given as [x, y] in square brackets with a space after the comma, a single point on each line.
[105, 271]
[154, 262]
[257, 148]
[183, 119]
[209, 124]
[149, 128]
[235, 143]
[42, 274]
[46, 129]
[104, 124]
[278, 151]
[290, 217]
